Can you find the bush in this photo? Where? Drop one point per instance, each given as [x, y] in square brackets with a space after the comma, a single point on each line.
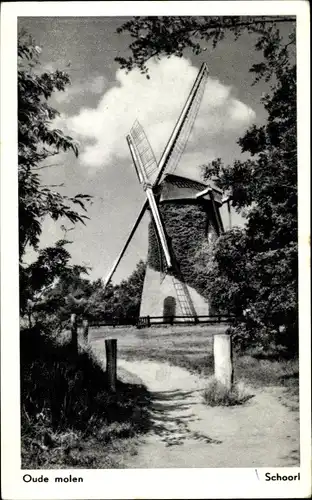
[249, 336]
[63, 392]
[217, 394]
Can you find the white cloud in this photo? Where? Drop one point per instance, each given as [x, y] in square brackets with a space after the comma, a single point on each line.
[239, 112]
[156, 103]
[94, 85]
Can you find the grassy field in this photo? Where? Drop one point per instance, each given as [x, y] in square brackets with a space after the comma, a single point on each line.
[191, 347]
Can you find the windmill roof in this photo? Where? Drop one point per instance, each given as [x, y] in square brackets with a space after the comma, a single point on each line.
[177, 187]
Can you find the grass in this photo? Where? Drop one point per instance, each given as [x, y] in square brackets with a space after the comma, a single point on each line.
[69, 416]
[73, 449]
[217, 394]
[191, 347]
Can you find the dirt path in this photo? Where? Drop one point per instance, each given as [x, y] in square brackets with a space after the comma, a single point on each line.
[187, 433]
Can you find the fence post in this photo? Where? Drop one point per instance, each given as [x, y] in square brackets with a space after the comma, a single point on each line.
[111, 363]
[148, 321]
[171, 320]
[85, 330]
[74, 333]
[223, 363]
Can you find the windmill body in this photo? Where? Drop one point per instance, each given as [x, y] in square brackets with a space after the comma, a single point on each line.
[188, 215]
[184, 214]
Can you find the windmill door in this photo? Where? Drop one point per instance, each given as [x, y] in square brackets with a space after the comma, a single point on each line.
[169, 308]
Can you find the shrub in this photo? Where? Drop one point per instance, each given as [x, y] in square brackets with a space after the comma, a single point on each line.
[217, 394]
[63, 392]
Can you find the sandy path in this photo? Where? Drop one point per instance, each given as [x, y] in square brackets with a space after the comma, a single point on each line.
[187, 433]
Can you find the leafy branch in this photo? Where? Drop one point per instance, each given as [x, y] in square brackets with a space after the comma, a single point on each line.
[173, 35]
[38, 141]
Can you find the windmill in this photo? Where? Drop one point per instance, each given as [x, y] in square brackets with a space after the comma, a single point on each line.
[165, 290]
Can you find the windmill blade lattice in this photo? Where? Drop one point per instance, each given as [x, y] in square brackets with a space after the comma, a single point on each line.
[187, 128]
[146, 183]
[179, 137]
[143, 150]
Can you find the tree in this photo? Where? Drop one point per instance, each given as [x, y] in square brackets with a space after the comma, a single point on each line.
[51, 288]
[38, 141]
[69, 293]
[117, 301]
[254, 270]
[130, 291]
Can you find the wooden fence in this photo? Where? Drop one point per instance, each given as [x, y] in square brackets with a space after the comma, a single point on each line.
[147, 321]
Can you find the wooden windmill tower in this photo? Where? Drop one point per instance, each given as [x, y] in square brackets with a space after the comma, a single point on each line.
[174, 202]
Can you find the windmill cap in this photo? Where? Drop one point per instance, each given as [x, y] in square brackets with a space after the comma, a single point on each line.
[177, 187]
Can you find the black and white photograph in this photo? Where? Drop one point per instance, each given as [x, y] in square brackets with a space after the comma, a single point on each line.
[158, 249]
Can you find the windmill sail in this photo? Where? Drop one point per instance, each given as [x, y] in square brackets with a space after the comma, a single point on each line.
[171, 154]
[144, 152]
[180, 134]
[121, 254]
[145, 165]
[179, 137]
[144, 179]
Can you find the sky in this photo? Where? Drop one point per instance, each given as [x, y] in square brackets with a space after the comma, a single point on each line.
[99, 108]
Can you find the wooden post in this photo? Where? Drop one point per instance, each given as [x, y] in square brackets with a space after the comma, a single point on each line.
[223, 364]
[229, 212]
[85, 330]
[74, 333]
[148, 321]
[111, 363]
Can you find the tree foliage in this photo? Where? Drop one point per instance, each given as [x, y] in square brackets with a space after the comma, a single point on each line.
[119, 301]
[57, 289]
[176, 35]
[254, 269]
[37, 142]
[69, 294]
